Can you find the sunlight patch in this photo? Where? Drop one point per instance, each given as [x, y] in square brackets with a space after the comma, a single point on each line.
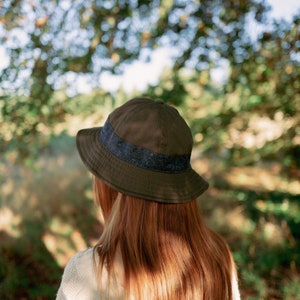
[63, 241]
[9, 222]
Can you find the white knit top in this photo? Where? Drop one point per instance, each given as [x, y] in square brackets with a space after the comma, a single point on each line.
[79, 281]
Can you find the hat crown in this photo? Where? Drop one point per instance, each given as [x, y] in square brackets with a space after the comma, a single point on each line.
[152, 125]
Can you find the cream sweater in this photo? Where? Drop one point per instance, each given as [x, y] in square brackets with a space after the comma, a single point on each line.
[79, 281]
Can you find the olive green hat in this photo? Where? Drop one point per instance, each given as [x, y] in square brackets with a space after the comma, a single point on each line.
[143, 150]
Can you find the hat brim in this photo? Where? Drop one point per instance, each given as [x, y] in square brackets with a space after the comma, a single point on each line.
[135, 181]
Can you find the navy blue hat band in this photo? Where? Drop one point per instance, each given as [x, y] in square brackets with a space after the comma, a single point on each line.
[141, 157]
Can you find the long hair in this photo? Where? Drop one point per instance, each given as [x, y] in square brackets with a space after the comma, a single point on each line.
[167, 251]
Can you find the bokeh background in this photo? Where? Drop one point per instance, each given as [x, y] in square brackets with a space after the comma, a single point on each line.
[231, 68]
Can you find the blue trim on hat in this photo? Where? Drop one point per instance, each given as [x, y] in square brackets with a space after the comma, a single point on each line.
[141, 157]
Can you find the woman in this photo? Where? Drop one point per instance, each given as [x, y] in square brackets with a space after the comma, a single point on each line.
[155, 244]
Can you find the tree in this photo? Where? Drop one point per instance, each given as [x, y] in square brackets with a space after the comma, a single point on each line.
[49, 42]
[255, 114]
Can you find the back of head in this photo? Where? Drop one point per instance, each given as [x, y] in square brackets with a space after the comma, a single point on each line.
[147, 188]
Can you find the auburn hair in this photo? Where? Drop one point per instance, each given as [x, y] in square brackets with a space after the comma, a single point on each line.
[167, 251]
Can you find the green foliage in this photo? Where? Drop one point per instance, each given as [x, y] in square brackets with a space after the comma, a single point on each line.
[265, 242]
[291, 290]
[40, 208]
[244, 129]
[27, 268]
[51, 43]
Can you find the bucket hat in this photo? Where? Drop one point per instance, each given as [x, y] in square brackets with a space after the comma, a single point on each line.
[143, 150]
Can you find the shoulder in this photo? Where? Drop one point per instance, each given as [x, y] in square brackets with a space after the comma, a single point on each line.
[79, 279]
[81, 265]
[235, 286]
[83, 260]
